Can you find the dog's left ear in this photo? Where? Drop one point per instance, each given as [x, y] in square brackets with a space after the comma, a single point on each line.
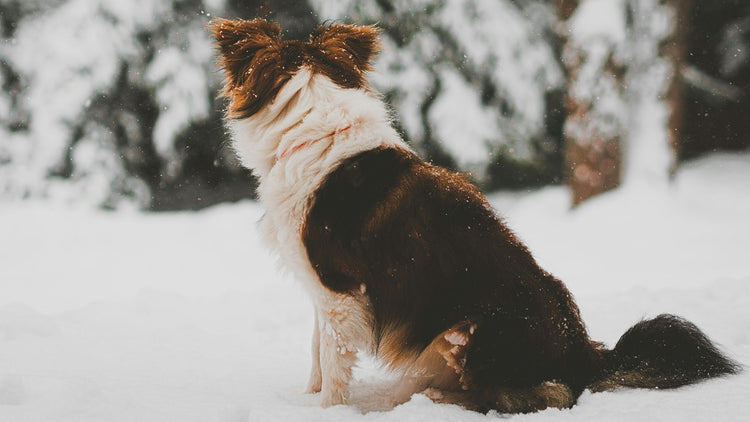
[240, 41]
[348, 44]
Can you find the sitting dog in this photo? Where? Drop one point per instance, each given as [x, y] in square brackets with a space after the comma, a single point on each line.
[407, 260]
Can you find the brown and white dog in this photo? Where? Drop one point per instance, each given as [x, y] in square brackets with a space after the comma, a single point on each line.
[407, 260]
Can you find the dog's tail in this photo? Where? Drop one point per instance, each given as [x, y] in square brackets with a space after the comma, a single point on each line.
[664, 352]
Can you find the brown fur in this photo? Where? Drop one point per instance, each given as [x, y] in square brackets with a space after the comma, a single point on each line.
[504, 400]
[257, 62]
[448, 283]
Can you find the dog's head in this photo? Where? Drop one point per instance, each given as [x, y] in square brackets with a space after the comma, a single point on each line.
[257, 62]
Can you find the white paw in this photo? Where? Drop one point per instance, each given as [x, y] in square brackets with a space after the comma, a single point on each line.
[313, 386]
[334, 398]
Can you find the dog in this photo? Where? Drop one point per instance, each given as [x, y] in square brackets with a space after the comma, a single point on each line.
[407, 260]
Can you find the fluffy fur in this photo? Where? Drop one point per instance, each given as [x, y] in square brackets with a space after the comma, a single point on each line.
[407, 260]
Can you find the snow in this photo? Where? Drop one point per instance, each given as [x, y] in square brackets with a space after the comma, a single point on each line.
[647, 149]
[400, 72]
[81, 57]
[70, 57]
[185, 317]
[179, 73]
[599, 18]
[596, 44]
[496, 35]
[463, 124]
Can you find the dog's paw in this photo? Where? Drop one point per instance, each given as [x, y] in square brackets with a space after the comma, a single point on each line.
[334, 398]
[313, 386]
[434, 394]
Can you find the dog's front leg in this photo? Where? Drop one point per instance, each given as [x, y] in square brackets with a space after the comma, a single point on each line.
[336, 364]
[313, 386]
[338, 350]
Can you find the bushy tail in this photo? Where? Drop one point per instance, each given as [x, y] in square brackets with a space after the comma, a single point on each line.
[664, 352]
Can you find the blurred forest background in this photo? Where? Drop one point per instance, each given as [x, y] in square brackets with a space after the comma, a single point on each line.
[114, 103]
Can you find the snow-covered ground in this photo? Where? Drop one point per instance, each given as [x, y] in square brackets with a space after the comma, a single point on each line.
[184, 317]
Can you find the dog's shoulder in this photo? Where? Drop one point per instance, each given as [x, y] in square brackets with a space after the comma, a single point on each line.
[374, 174]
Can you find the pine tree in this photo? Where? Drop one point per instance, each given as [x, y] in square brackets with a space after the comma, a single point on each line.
[113, 103]
[475, 84]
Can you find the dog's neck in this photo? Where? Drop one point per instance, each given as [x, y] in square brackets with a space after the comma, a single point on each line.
[296, 146]
[311, 126]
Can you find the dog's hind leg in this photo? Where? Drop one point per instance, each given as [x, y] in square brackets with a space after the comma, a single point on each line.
[507, 400]
[439, 366]
[440, 373]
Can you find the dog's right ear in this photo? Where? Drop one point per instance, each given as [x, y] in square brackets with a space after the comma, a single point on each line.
[239, 42]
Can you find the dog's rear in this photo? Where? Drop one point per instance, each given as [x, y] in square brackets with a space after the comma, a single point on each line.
[455, 295]
[408, 260]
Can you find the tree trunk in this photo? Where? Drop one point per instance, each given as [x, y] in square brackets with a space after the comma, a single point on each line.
[594, 128]
[605, 99]
[565, 8]
[674, 50]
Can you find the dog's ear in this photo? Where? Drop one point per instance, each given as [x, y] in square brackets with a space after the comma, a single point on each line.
[349, 48]
[240, 41]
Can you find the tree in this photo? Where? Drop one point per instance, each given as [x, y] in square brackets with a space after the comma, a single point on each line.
[115, 102]
[625, 93]
[475, 84]
[596, 107]
[717, 76]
